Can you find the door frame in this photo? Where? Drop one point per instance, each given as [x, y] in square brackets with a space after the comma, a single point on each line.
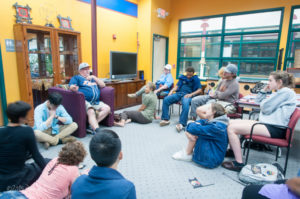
[2, 90]
[167, 49]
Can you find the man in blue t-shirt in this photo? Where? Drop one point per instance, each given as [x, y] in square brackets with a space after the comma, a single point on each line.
[90, 86]
[187, 87]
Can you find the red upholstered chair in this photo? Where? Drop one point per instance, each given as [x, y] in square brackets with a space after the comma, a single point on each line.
[286, 142]
[74, 103]
[239, 110]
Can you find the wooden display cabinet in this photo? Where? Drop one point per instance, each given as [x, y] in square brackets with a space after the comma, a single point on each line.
[122, 89]
[45, 57]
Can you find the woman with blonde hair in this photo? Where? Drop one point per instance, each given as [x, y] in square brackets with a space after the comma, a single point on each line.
[57, 177]
[274, 110]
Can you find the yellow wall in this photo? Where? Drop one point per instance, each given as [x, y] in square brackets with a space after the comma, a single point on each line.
[109, 22]
[194, 8]
[158, 25]
[144, 37]
[125, 29]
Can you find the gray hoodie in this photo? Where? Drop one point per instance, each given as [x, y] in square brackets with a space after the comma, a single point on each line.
[223, 119]
[278, 108]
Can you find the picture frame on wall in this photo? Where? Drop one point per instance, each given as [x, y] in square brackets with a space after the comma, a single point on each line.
[65, 22]
[22, 14]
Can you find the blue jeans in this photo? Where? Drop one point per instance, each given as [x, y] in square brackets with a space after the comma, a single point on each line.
[12, 194]
[169, 100]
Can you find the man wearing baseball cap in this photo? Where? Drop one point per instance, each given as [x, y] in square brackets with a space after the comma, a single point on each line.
[90, 86]
[225, 94]
[163, 85]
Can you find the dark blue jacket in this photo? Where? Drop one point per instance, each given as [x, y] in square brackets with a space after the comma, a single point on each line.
[186, 85]
[102, 183]
[212, 141]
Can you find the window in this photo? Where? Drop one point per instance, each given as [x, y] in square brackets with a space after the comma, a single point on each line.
[293, 43]
[249, 40]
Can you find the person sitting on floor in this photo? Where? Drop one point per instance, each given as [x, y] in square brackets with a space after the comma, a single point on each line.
[187, 87]
[146, 112]
[17, 141]
[103, 180]
[57, 177]
[47, 119]
[207, 138]
[90, 86]
[163, 85]
[274, 110]
[280, 189]
[226, 92]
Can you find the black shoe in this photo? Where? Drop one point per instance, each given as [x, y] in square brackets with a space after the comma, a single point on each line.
[229, 153]
[233, 165]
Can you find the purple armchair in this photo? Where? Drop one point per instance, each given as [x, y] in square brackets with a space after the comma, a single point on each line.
[74, 103]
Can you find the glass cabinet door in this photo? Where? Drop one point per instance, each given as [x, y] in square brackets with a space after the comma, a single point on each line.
[41, 65]
[68, 56]
[40, 57]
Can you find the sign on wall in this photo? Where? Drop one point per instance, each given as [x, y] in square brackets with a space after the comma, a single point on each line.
[10, 45]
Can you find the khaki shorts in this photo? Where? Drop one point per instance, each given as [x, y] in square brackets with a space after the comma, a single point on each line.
[96, 107]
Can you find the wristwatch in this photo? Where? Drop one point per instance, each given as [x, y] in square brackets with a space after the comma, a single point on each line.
[56, 117]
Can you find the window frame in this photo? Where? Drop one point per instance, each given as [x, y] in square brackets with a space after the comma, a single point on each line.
[290, 32]
[223, 35]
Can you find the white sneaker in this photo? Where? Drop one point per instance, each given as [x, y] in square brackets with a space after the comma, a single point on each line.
[179, 127]
[181, 155]
[164, 123]
[132, 95]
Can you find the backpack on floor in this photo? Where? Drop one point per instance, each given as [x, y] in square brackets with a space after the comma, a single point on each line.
[260, 174]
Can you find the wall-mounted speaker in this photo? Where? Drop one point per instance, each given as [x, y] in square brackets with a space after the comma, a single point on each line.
[246, 87]
[141, 74]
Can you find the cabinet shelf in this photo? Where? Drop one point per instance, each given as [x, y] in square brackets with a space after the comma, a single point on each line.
[39, 52]
[68, 53]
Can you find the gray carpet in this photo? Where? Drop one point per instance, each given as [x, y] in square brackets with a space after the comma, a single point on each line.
[148, 164]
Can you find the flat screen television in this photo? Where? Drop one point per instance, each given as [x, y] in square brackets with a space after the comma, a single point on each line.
[123, 65]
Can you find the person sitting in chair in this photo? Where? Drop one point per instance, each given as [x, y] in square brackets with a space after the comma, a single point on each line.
[146, 112]
[226, 92]
[90, 86]
[187, 87]
[163, 85]
[274, 110]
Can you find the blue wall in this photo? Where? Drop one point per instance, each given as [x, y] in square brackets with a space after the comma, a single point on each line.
[121, 6]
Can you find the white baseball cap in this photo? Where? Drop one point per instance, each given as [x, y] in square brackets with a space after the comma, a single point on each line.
[83, 65]
[168, 67]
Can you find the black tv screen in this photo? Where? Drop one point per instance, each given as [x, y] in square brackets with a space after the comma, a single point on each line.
[123, 65]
